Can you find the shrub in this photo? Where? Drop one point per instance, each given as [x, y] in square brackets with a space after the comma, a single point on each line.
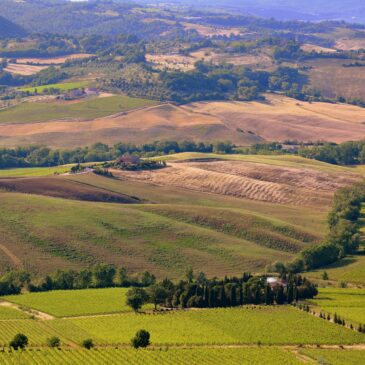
[141, 339]
[53, 342]
[88, 343]
[19, 341]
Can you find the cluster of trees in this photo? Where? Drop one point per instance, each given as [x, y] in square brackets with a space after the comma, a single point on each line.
[38, 156]
[100, 276]
[347, 153]
[137, 165]
[343, 237]
[210, 82]
[201, 292]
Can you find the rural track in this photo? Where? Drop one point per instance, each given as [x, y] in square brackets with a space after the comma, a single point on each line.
[14, 259]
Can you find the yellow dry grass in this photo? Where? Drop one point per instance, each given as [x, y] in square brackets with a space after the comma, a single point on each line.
[25, 70]
[308, 47]
[52, 60]
[211, 31]
[278, 118]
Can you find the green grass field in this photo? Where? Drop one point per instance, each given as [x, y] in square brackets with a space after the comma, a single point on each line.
[336, 357]
[268, 325]
[275, 160]
[88, 109]
[350, 269]
[347, 303]
[63, 303]
[65, 86]
[10, 313]
[73, 234]
[34, 171]
[242, 356]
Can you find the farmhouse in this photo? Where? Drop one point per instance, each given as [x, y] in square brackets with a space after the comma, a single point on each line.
[273, 282]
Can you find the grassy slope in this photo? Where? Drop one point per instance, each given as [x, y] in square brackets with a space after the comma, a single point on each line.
[10, 313]
[275, 160]
[81, 233]
[88, 109]
[34, 171]
[223, 235]
[66, 86]
[350, 269]
[64, 303]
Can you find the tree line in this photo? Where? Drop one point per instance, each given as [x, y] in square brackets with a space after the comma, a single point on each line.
[201, 292]
[99, 276]
[41, 156]
[343, 237]
[347, 153]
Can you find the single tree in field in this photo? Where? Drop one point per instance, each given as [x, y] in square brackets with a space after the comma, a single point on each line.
[136, 297]
[141, 339]
[325, 275]
[53, 342]
[157, 295]
[88, 343]
[19, 341]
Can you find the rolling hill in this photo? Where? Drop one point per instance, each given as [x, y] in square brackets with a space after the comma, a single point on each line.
[9, 29]
[277, 119]
[224, 215]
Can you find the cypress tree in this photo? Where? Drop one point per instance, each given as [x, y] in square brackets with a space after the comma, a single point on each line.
[211, 298]
[222, 297]
[268, 295]
[240, 295]
[233, 296]
[279, 295]
[290, 293]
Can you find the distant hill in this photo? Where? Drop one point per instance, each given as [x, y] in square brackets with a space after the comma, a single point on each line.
[9, 29]
[308, 10]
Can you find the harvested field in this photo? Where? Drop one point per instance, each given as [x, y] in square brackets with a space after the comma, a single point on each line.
[350, 44]
[52, 60]
[244, 123]
[313, 47]
[211, 31]
[281, 118]
[280, 185]
[63, 188]
[333, 80]
[25, 70]
[149, 124]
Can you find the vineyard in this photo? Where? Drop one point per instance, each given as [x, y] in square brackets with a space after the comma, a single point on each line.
[242, 356]
[336, 357]
[347, 303]
[75, 302]
[219, 326]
